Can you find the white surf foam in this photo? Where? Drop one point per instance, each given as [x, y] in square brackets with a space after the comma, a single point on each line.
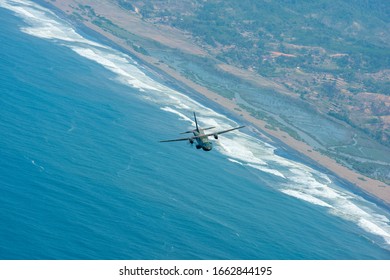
[235, 161]
[40, 167]
[294, 179]
[307, 197]
[182, 116]
[119, 65]
[267, 170]
[44, 23]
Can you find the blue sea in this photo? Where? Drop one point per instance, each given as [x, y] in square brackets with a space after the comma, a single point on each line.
[82, 175]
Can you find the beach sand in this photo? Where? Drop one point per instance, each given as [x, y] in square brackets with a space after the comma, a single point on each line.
[178, 40]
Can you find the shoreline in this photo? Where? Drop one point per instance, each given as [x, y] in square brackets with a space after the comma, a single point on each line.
[377, 190]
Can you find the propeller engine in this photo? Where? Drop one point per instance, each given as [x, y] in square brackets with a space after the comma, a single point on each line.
[215, 136]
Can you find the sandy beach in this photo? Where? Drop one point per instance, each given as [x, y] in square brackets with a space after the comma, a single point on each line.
[179, 40]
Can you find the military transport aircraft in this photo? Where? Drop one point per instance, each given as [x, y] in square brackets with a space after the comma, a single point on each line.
[201, 138]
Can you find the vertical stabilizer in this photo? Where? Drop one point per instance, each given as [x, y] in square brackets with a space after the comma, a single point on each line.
[196, 123]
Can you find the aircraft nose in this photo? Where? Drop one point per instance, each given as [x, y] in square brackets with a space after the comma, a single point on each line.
[207, 147]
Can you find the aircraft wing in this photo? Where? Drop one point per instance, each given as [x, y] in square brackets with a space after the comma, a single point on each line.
[187, 139]
[223, 131]
[180, 139]
[202, 135]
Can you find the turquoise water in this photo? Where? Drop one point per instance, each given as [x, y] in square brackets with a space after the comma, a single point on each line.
[82, 175]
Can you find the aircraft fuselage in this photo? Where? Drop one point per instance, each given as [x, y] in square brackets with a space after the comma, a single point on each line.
[203, 141]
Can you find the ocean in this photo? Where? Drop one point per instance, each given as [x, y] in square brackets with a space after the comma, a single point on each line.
[82, 175]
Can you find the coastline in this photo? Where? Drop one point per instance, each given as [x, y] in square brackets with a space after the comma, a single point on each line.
[371, 187]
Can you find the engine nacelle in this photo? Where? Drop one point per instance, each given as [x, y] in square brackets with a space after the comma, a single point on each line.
[215, 136]
[191, 141]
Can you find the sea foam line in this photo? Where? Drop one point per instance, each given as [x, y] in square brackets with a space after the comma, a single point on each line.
[295, 179]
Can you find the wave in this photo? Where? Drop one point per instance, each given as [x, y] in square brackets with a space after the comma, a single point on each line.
[293, 178]
[44, 23]
[306, 197]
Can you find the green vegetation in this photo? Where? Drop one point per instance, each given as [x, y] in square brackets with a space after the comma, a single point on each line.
[140, 49]
[109, 26]
[375, 170]
[126, 5]
[253, 28]
[272, 124]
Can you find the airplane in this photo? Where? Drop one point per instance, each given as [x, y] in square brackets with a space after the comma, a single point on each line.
[201, 138]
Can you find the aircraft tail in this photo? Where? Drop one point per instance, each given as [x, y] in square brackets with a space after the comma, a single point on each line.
[196, 123]
[197, 127]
